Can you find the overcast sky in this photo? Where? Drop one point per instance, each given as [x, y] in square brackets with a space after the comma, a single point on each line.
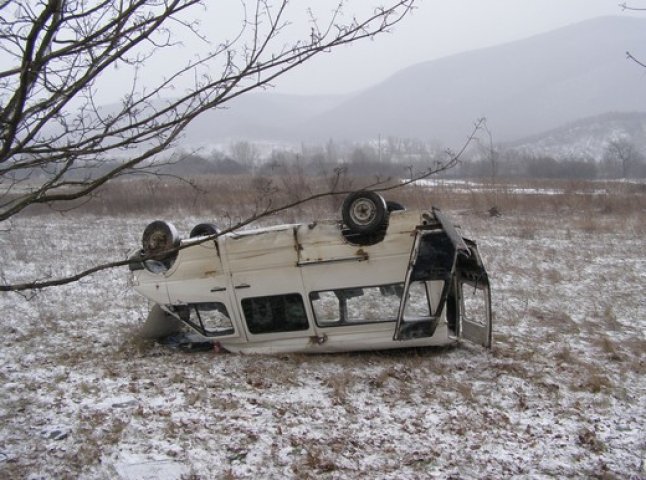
[439, 28]
[436, 28]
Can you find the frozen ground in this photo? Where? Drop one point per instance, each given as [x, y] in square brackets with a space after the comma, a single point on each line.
[562, 393]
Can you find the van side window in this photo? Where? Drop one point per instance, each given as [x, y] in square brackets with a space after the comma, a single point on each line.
[276, 313]
[352, 306]
[210, 319]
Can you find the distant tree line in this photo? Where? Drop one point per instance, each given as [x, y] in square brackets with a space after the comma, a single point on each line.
[401, 158]
[620, 159]
[387, 158]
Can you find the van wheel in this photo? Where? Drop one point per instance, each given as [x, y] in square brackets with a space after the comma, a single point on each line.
[364, 212]
[158, 238]
[203, 230]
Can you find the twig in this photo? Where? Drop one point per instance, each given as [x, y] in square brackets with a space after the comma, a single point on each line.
[258, 215]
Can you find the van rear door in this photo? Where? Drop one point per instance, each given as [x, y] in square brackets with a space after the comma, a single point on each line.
[440, 255]
[474, 298]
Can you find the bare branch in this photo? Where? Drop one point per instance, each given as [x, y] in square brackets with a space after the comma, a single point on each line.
[57, 144]
[260, 213]
[50, 125]
[626, 6]
[629, 56]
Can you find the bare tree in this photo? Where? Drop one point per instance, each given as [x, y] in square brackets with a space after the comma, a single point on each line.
[620, 157]
[489, 150]
[245, 153]
[58, 144]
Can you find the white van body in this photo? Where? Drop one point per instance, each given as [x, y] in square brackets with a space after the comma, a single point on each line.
[311, 288]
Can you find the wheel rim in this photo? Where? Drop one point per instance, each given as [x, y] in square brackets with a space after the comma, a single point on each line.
[363, 211]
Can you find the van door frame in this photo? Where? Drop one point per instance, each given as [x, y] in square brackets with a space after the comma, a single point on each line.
[471, 272]
[466, 267]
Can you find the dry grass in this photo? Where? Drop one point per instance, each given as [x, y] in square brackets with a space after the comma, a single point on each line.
[340, 385]
[560, 394]
[233, 197]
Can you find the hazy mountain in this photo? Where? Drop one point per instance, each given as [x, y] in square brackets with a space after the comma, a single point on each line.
[260, 116]
[587, 137]
[523, 88]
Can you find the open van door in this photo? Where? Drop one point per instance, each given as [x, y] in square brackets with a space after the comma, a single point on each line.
[475, 314]
[473, 298]
[441, 256]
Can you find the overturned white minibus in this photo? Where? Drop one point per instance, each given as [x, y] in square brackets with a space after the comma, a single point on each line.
[381, 278]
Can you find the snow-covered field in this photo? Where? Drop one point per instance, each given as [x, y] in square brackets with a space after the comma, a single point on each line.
[561, 394]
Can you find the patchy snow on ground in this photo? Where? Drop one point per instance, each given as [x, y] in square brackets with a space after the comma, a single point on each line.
[477, 186]
[561, 394]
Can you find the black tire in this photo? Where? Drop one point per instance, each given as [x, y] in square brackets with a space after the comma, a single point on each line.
[159, 237]
[204, 229]
[393, 206]
[364, 212]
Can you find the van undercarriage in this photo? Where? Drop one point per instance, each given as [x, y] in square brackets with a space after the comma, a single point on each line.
[409, 280]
